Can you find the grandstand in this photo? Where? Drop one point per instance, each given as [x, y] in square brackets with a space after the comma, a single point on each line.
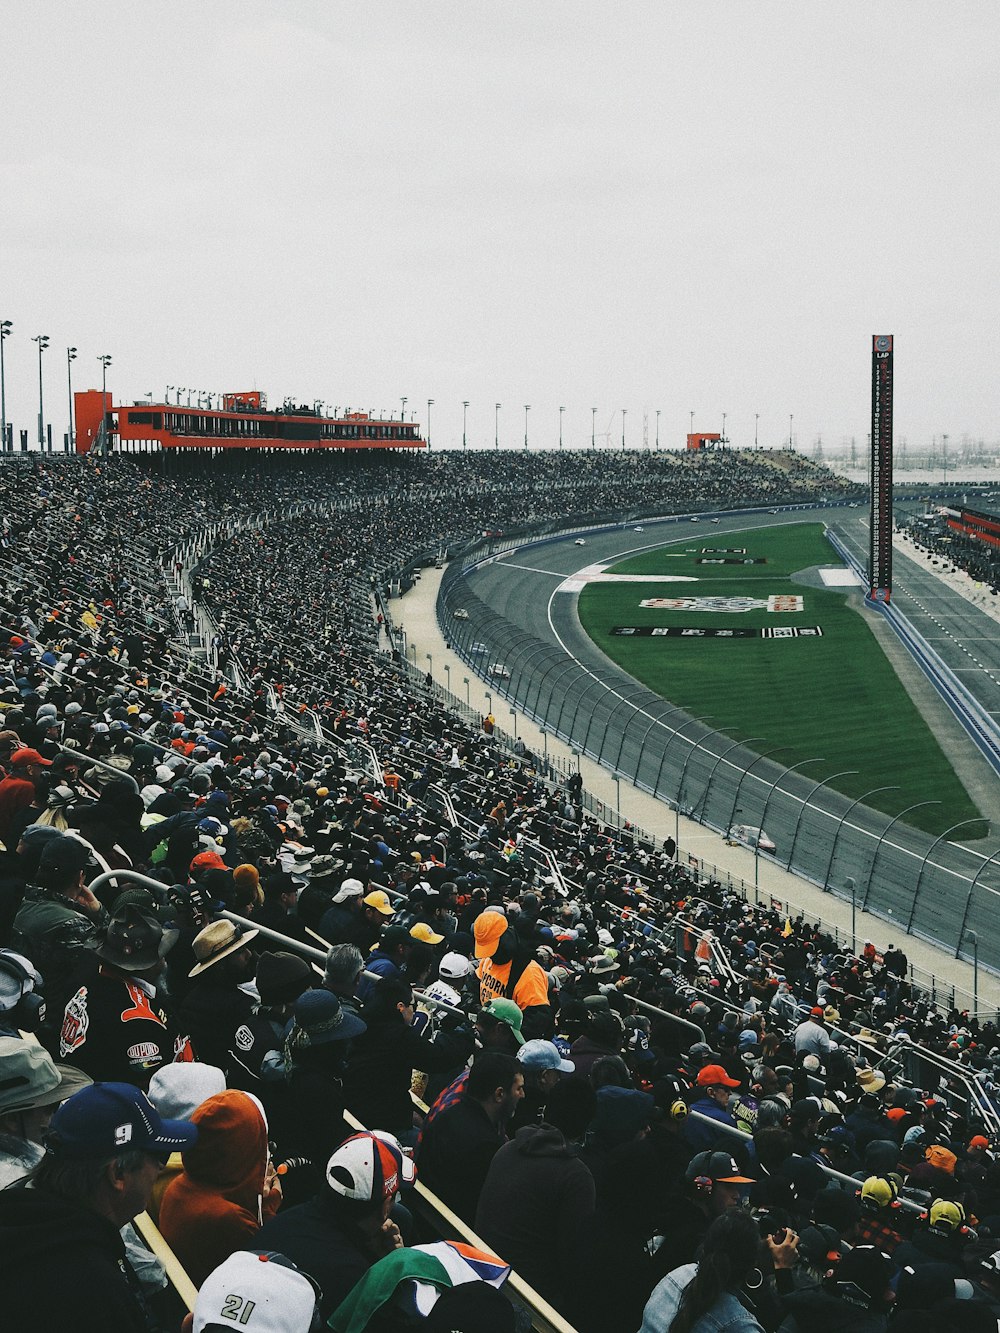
[207, 646]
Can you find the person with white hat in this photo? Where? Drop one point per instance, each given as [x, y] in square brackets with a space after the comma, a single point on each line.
[262, 1291]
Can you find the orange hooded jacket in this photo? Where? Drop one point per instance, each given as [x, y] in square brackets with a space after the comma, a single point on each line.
[216, 1204]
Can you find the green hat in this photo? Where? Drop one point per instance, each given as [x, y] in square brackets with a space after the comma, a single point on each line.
[506, 1011]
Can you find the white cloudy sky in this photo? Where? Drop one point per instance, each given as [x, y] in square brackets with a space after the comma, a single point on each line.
[672, 204]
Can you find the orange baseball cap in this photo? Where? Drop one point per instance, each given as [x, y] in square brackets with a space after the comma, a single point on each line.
[487, 928]
[714, 1076]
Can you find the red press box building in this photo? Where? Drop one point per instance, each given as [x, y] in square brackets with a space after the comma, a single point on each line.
[243, 422]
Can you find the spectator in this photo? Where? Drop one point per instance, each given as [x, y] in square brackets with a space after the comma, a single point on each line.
[343, 916]
[114, 1027]
[712, 1292]
[456, 1149]
[227, 1187]
[346, 1227]
[713, 1185]
[542, 1066]
[858, 1297]
[217, 1005]
[343, 971]
[535, 1193]
[308, 1104]
[507, 970]
[103, 1153]
[812, 1038]
[381, 1064]
[31, 1088]
[20, 789]
[177, 1091]
[716, 1088]
[264, 1297]
[385, 960]
[59, 917]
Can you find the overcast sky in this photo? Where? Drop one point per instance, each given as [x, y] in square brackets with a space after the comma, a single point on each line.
[676, 205]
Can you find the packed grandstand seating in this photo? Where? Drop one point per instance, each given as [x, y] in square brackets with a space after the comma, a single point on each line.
[362, 943]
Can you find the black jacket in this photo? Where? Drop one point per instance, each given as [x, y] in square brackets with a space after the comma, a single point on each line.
[65, 1268]
[311, 1236]
[456, 1150]
[114, 1031]
[379, 1073]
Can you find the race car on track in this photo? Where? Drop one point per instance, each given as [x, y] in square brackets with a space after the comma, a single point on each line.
[747, 835]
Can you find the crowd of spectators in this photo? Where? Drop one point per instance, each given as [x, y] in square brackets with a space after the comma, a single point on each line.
[663, 1106]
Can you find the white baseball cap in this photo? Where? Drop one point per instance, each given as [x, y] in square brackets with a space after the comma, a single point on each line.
[258, 1293]
[454, 966]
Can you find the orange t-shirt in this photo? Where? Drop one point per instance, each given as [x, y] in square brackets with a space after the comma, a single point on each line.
[532, 986]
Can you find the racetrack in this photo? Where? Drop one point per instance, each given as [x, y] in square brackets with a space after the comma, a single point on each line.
[557, 674]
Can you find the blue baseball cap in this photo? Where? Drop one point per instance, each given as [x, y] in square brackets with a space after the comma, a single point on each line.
[111, 1118]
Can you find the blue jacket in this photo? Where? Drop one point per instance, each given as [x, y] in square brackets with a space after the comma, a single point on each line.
[727, 1315]
[702, 1137]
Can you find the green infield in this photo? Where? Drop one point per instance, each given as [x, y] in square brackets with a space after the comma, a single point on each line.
[835, 696]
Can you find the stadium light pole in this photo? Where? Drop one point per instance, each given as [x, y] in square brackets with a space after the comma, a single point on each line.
[496, 428]
[723, 440]
[833, 850]
[920, 873]
[105, 360]
[691, 429]
[593, 428]
[624, 410]
[430, 404]
[43, 341]
[657, 428]
[402, 410]
[561, 411]
[489, 705]
[5, 328]
[917, 805]
[703, 803]
[791, 418]
[465, 418]
[468, 699]
[618, 799]
[846, 773]
[70, 358]
[752, 764]
[513, 714]
[527, 409]
[704, 717]
[968, 899]
[974, 937]
[756, 427]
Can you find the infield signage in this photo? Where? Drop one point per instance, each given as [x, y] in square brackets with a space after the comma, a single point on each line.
[701, 632]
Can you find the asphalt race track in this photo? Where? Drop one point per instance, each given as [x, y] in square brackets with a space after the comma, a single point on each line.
[936, 888]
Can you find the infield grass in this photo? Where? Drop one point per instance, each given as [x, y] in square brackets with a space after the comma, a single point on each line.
[836, 696]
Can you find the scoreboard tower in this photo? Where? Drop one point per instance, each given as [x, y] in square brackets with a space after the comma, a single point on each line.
[880, 548]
